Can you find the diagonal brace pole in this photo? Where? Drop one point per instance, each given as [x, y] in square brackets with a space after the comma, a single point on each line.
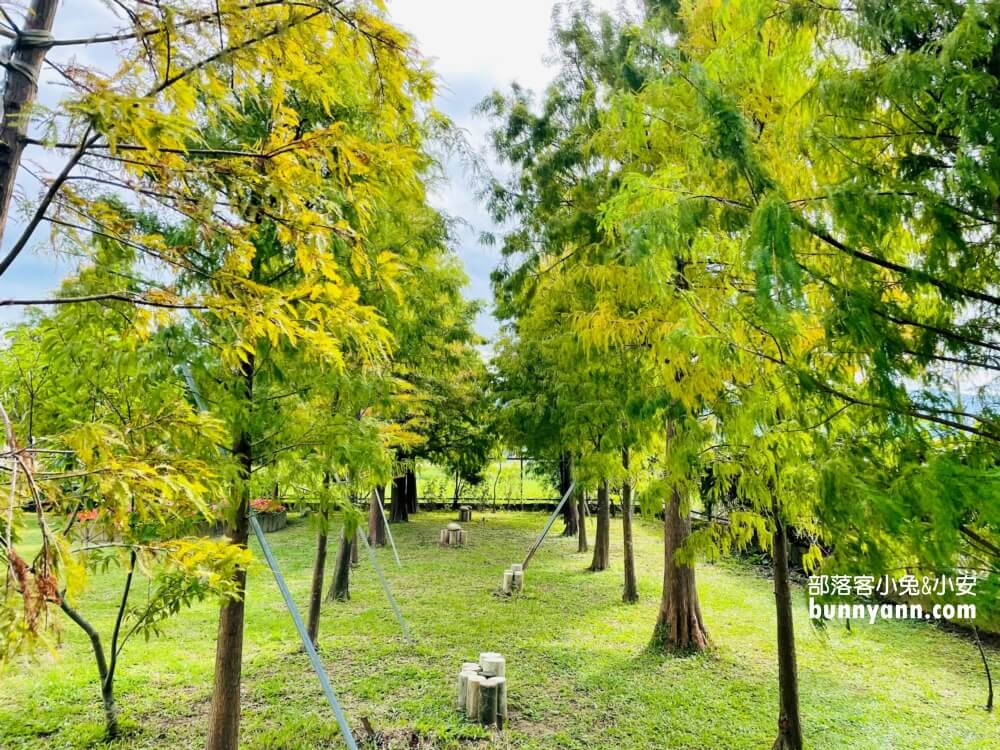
[388, 531]
[552, 520]
[385, 587]
[307, 643]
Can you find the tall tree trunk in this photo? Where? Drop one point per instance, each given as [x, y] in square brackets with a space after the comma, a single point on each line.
[376, 524]
[602, 541]
[679, 625]
[789, 722]
[340, 586]
[458, 491]
[630, 593]
[565, 480]
[412, 505]
[319, 570]
[581, 540]
[224, 715]
[19, 93]
[400, 510]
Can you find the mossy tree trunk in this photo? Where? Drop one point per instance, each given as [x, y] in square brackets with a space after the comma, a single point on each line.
[602, 540]
[582, 545]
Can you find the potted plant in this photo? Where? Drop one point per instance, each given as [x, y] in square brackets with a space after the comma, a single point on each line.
[271, 514]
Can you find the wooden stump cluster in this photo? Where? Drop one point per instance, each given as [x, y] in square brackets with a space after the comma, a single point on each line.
[465, 514]
[482, 690]
[513, 580]
[452, 535]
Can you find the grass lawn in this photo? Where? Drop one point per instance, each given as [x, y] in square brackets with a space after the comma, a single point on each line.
[505, 477]
[580, 674]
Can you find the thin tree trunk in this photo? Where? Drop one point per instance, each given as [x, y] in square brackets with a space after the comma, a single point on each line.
[789, 722]
[986, 667]
[581, 540]
[319, 571]
[412, 504]
[679, 625]
[355, 546]
[569, 509]
[376, 524]
[340, 587]
[224, 715]
[400, 511]
[602, 542]
[19, 93]
[458, 491]
[107, 685]
[630, 593]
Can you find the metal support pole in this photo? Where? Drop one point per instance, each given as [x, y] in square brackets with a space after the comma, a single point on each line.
[388, 531]
[385, 588]
[317, 665]
[552, 520]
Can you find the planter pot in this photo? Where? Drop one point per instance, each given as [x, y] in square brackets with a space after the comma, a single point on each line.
[272, 521]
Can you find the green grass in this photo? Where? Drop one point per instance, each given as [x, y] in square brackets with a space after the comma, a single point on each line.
[435, 481]
[580, 673]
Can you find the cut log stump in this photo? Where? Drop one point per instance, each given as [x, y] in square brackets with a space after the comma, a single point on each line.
[473, 693]
[488, 702]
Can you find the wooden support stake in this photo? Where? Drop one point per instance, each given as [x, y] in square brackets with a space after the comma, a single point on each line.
[463, 687]
[475, 684]
[488, 702]
[501, 701]
[494, 665]
[486, 656]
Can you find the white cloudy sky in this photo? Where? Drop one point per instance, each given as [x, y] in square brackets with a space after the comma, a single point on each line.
[476, 46]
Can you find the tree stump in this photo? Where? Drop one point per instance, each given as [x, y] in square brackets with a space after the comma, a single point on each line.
[465, 514]
[473, 693]
[493, 665]
[463, 686]
[517, 582]
[501, 701]
[488, 702]
[452, 535]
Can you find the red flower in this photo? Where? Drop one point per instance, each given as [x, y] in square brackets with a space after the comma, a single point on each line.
[266, 505]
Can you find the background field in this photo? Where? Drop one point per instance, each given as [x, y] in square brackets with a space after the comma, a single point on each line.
[581, 676]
